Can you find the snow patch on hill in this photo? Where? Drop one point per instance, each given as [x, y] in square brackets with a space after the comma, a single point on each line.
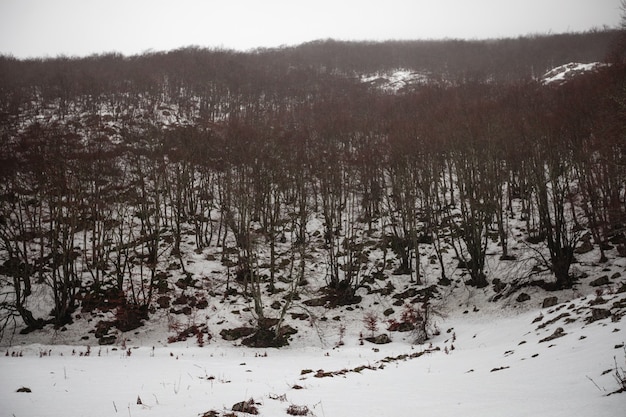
[564, 73]
[396, 80]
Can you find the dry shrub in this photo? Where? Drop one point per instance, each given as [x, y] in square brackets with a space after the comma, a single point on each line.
[298, 410]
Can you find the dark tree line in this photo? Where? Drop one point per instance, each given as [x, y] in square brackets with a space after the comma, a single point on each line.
[107, 163]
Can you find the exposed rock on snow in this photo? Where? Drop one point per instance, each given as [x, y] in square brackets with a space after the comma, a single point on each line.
[598, 314]
[381, 339]
[549, 302]
[603, 280]
[559, 332]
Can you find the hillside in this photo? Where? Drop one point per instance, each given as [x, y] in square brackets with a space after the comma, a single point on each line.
[323, 200]
[117, 187]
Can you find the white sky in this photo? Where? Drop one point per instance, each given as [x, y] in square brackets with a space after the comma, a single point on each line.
[38, 28]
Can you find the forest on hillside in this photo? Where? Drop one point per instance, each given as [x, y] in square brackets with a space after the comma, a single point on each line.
[109, 164]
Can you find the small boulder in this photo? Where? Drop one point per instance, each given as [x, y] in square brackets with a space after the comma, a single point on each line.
[107, 340]
[236, 333]
[181, 299]
[163, 301]
[498, 285]
[523, 297]
[603, 280]
[316, 302]
[585, 247]
[598, 314]
[102, 328]
[248, 407]
[549, 302]
[381, 339]
[559, 332]
[403, 326]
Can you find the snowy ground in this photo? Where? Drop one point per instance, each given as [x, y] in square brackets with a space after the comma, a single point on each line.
[488, 358]
[487, 365]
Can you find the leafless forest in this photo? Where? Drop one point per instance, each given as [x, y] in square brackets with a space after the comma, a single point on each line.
[109, 164]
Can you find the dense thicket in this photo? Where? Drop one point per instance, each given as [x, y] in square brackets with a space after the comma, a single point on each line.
[107, 162]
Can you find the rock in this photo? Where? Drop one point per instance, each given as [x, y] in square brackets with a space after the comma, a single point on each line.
[598, 314]
[616, 275]
[603, 280]
[425, 294]
[236, 333]
[522, 297]
[287, 330]
[130, 317]
[163, 301]
[316, 302]
[445, 282]
[299, 316]
[182, 299]
[401, 327]
[202, 304]
[557, 333]
[585, 247]
[388, 312]
[381, 339]
[498, 285]
[267, 322]
[107, 340]
[102, 328]
[265, 337]
[246, 407]
[24, 389]
[597, 301]
[549, 302]
[411, 292]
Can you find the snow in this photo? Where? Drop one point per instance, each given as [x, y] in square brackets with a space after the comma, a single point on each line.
[396, 80]
[487, 364]
[562, 73]
[486, 360]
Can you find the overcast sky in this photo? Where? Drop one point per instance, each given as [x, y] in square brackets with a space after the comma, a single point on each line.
[40, 28]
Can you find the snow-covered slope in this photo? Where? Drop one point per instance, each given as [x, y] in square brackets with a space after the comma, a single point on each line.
[491, 352]
[563, 73]
[396, 80]
[480, 364]
[485, 358]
